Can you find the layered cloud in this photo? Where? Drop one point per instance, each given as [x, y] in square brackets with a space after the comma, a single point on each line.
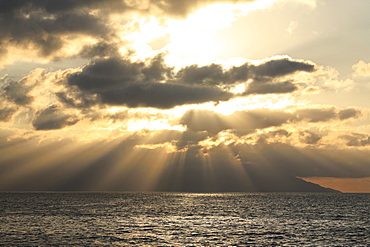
[52, 118]
[120, 82]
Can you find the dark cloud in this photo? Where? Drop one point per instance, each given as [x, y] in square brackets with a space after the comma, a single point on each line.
[316, 114]
[77, 99]
[15, 92]
[281, 67]
[349, 113]
[266, 72]
[43, 25]
[239, 73]
[309, 137]
[101, 49]
[258, 87]
[6, 113]
[52, 118]
[206, 75]
[265, 137]
[266, 78]
[53, 6]
[121, 82]
[357, 140]
[162, 95]
[326, 114]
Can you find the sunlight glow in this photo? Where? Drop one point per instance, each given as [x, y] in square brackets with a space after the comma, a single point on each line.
[191, 41]
[161, 124]
[195, 40]
[254, 102]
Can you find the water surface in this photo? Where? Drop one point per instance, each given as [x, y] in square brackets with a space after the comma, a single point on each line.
[184, 219]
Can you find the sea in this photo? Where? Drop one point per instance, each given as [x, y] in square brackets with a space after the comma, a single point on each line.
[183, 219]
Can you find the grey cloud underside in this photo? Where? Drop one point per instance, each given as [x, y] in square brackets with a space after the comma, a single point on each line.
[245, 122]
[309, 138]
[357, 140]
[15, 92]
[43, 24]
[52, 118]
[265, 78]
[162, 95]
[120, 82]
[13, 95]
[6, 113]
[264, 73]
[281, 67]
[270, 88]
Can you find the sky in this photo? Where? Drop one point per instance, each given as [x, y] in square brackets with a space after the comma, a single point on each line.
[185, 95]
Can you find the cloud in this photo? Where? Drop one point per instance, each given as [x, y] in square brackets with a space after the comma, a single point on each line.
[326, 114]
[157, 149]
[52, 118]
[6, 113]
[118, 81]
[206, 75]
[49, 30]
[357, 139]
[53, 29]
[258, 87]
[121, 82]
[361, 69]
[16, 92]
[349, 113]
[182, 8]
[100, 50]
[269, 69]
[315, 115]
[282, 66]
[265, 78]
[308, 137]
[245, 122]
[48, 26]
[242, 122]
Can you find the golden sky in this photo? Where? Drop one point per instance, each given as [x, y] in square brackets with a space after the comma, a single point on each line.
[185, 95]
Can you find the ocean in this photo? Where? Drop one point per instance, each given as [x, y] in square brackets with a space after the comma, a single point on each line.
[184, 219]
